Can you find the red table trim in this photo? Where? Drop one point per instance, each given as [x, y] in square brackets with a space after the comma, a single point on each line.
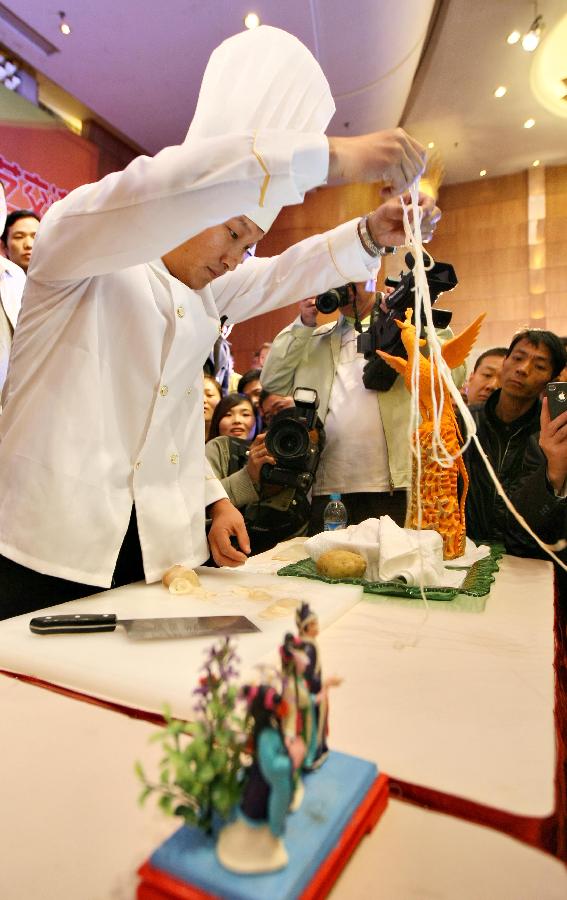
[159, 885]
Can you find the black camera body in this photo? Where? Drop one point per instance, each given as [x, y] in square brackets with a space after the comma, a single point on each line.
[334, 299]
[384, 334]
[295, 439]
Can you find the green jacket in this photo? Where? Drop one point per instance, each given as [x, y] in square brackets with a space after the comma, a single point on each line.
[301, 356]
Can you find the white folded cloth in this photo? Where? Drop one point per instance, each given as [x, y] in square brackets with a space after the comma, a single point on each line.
[398, 554]
[363, 539]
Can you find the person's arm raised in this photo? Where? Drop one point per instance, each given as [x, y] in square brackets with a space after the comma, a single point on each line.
[390, 156]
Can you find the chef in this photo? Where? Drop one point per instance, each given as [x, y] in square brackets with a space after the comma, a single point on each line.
[103, 478]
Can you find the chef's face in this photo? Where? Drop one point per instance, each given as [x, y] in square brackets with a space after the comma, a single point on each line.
[212, 252]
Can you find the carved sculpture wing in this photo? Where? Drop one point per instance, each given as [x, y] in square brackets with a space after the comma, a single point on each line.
[456, 350]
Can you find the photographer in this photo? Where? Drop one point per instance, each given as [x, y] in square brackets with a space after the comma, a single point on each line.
[235, 455]
[367, 455]
[270, 490]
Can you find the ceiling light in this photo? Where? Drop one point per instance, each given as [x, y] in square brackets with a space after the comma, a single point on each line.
[536, 163]
[531, 38]
[64, 26]
[431, 145]
[12, 83]
[482, 173]
[9, 74]
[501, 91]
[252, 20]
[513, 37]
[529, 123]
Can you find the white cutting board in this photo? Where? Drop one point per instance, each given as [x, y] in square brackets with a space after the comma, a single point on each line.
[147, 674]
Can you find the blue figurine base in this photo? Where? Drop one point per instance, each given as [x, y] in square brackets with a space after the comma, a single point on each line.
[343, 800]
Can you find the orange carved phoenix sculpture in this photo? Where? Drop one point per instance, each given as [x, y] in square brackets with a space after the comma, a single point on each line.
[442, 509]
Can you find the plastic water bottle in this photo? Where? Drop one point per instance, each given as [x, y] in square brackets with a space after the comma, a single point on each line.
[335, 514]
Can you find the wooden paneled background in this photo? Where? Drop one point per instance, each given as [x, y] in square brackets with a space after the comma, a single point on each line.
[506, 238]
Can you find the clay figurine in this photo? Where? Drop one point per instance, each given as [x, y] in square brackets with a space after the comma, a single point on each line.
[301, 717]
[253, 842]
[308, 628]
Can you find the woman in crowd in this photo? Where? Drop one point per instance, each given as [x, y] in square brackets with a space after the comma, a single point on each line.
[233, 417]
[212, 397]
[236, 455]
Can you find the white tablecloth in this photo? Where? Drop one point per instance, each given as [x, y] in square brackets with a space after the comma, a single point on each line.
[71, 827]
[461, 703]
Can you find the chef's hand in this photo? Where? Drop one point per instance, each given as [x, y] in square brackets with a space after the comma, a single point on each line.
[391, 156]
[227, 522]
[386, 224]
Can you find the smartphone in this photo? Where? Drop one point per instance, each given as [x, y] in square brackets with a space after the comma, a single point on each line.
[556, 393]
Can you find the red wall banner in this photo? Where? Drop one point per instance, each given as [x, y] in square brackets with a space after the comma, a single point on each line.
[27, 190]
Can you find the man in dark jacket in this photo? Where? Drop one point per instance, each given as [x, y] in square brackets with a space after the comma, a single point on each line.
[508, 430]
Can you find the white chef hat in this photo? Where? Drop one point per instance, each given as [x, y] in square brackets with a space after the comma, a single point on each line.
[263, 78]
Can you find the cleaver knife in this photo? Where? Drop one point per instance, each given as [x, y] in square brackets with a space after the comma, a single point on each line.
[144, 629]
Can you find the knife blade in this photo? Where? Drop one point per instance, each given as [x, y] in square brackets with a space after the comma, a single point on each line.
[144, 629]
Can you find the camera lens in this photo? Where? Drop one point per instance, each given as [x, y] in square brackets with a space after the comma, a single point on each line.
[328, 302]
[287, 441]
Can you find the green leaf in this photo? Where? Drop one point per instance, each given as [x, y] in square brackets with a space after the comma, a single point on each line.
[219, 760]
[144, 795]
[165, 802]
[206, 773]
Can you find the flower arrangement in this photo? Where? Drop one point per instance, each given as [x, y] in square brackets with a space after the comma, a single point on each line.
[203, 763]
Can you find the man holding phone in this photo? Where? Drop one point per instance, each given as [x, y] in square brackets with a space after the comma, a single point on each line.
[508, 428]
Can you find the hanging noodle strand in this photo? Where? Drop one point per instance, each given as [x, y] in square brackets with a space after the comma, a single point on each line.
[439, 451]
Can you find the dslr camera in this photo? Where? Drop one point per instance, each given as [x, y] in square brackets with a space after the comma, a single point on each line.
[295, 439]
[335, 298]
[384, 334]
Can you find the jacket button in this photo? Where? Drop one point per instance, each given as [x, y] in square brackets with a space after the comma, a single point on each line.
[189, 391]
[138, 465]
[174, 459]
[180, 311]
[164, 390]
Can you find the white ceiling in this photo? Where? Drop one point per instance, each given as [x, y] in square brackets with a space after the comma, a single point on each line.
[138, 65]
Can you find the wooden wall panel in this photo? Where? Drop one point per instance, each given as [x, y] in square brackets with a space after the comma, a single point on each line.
[483, 233]
[556, 248]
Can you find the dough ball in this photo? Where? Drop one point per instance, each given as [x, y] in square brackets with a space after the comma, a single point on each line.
[182, 585]
[341, 564]
[180, 572]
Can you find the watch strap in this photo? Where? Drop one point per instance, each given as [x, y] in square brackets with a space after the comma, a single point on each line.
[368, 242]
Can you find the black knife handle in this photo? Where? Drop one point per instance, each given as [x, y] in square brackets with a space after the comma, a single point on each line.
[73, 624]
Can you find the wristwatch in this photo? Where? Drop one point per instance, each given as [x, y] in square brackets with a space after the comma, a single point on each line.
[368, 242]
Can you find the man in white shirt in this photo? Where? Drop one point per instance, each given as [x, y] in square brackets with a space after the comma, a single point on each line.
[12, 281]
[18, 235]
[102, 469]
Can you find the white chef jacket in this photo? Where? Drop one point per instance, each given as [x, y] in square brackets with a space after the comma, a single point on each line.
[12, 281]
[103, 402]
